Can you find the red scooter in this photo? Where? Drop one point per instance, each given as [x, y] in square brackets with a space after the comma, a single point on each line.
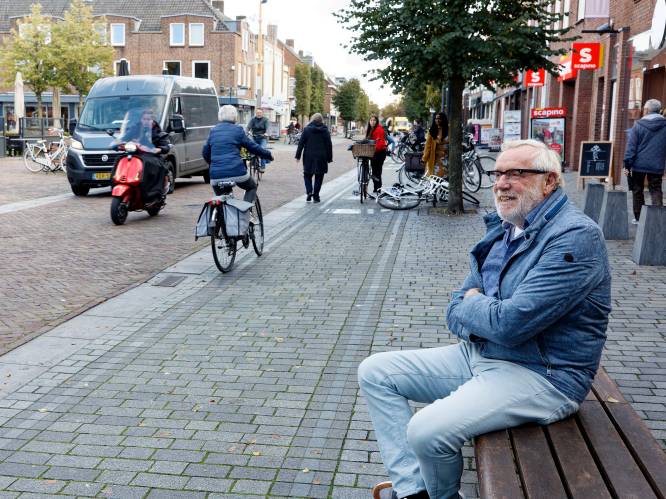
[126, 193]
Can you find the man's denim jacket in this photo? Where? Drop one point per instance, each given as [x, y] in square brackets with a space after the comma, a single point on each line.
[554, 298]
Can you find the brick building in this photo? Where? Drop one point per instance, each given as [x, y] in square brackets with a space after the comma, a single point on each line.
[599, 104]
[187, 38]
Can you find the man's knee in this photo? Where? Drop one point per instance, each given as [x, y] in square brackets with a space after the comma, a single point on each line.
[370, 371]
[431, 437]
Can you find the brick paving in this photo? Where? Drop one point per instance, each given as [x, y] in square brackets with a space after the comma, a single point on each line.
[64, 257]
[244, 384]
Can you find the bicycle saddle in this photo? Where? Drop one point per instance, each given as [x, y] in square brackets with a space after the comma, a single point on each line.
[225, 186]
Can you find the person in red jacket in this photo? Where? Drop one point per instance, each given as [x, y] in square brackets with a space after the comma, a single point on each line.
[376, 132]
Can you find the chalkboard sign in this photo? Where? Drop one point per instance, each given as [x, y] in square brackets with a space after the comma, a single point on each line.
[595, 159]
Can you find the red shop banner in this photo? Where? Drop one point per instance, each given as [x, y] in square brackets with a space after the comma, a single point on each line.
[549, 112]
[586, 55]
[535, 78]
[566, 70]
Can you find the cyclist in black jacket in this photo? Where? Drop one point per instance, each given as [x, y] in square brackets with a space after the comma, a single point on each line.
[258, 128]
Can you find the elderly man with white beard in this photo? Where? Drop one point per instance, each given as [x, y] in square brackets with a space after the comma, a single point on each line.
[531, 317]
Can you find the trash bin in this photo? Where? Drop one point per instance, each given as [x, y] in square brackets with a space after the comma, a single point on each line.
[3, 149]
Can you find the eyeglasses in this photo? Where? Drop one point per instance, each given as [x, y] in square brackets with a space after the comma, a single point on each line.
[513, 175]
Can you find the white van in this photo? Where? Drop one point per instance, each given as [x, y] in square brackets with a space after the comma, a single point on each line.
[187, 108]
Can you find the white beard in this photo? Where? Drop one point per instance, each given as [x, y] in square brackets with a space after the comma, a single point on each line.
[530, 198]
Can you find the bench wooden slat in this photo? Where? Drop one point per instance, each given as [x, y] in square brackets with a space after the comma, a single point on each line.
[536, 465]
[616, 461]
[582, 476]
[647, 452]
[605, 388]
[495, 466]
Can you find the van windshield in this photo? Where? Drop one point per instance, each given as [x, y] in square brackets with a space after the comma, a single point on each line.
[102, 113]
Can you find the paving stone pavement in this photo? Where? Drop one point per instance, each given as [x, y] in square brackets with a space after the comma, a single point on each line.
[63, 257]
[244, 384]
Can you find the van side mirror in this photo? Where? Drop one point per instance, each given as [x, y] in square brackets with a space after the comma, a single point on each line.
[72, 126]
[177, 123]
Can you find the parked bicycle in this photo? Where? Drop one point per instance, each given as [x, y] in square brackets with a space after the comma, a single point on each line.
[362, 151]
[475, 167]
[430, 188]
[294, 138]
[46, 156]
[232, 221]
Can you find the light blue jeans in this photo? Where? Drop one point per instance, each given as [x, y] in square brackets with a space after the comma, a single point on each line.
[264, 144]
[468, 394]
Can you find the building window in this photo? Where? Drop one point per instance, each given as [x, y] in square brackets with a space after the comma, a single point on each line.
[172, 67]
[116, 66]
[581, 10]
[201, 69]
[245, 40]
[118, 35]
[100, 29]
[196, 34]
[567, 7]
[239, 75]
[177, 34]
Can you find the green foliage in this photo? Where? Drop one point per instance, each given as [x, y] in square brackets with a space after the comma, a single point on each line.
[346, 99]
[318, 92]
[31, 53]
[455, 41]
[303, 90]
[362, 107]
[83, 55]
[396, 108]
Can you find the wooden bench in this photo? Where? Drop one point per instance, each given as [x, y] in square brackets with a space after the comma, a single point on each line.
[603, 451]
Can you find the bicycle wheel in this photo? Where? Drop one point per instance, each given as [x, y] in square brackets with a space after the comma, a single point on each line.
[224, 248]
[487, 164]
[38, 163]
[402, 201]
[257, 228]
[256, 169]
[471, 175]
[470, 199]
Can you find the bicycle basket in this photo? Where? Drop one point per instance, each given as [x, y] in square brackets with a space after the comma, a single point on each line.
[413, 163]
[363, 150]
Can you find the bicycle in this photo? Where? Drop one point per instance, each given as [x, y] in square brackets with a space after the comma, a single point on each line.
[475, 166]
[254, 167]
[224, 246]
[40, 156]
[362, 151]
[431, 188]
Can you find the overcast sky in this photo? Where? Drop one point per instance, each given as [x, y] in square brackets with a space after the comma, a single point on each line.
[314, 29]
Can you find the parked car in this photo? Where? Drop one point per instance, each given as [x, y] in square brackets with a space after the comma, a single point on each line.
[186, 108]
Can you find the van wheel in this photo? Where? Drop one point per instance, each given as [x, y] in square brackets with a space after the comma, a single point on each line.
[206, 177]
[172, 179]
[79, 190]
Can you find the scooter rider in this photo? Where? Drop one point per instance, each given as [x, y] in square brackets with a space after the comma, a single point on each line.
[148, 136]
[258, 128]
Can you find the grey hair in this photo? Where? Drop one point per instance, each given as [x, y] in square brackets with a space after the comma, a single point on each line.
[317, 118]
[228, 113]
[545, 159]
[652, 106]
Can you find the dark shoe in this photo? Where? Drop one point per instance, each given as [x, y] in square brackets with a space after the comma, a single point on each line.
[309, 198]
[316, 199]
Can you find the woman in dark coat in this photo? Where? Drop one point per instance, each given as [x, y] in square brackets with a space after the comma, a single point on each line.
[317, 149]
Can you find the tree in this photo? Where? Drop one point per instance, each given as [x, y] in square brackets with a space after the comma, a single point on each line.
[83, 55]
[28, 49]
[318, 91]
[346, 100]
[303, 91]
[396, 108]
[362, 107]
[457, 42]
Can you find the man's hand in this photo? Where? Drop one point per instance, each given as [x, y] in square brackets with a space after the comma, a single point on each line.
[472, 292]
[626, 171]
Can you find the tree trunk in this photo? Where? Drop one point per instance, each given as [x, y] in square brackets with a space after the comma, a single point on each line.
[456, 87]
[78, 111]
[40, 111]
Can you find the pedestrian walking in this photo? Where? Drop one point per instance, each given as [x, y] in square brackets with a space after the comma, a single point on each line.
[531, 317]
[437, 146]
[645, 156]
[258, 128]
[375, 132]
[317, 151]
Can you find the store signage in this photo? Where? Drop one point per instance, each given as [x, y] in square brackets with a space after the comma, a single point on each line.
[566, 71]
[535, 78]
[549, 112]
[586, 55]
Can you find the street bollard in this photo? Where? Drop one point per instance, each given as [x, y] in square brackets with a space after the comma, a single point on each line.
[649, 247]
[594, 197]
[613, 216]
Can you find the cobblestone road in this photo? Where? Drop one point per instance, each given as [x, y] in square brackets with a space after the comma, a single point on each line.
[244, 384]
[63, 257]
